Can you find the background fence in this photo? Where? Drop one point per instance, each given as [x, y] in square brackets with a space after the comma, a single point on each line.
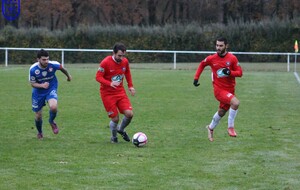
[291, 58]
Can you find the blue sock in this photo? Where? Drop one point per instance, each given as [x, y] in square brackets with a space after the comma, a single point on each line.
[52, 116]
[39, 125]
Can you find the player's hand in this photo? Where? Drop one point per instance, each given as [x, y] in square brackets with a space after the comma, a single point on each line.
[226, 71]
[69, 78]
[45, 85]
[132, 91]
[114, 84]
[196, 83]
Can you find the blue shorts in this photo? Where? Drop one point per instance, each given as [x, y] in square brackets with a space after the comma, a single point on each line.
[39, 100]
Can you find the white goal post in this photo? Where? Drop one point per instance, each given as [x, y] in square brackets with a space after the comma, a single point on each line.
[288, 55]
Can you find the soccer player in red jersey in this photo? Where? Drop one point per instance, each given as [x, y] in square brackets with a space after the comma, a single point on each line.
[225, 67]
[111, 73]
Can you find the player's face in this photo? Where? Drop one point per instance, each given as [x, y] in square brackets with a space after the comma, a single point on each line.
[220, 47]
[119, 56]
[43, 61]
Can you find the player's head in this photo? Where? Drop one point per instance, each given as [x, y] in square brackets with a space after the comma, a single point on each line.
[221, 46]
[43, 53]
[119, 51]
[43, 58]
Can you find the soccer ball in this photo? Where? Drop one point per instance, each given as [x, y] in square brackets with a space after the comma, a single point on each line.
[139, 139]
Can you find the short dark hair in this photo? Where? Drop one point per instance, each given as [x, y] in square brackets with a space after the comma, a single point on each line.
[222, 39]
[119, 46]
[41, 53]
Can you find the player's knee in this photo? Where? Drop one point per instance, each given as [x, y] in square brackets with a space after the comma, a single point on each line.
[53, 108]
[38, 116]
[235, 103]
[115, 119]
[128, 113]
[221, 112]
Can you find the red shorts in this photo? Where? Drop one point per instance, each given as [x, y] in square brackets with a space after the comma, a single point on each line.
[114, 104]
[224, 97]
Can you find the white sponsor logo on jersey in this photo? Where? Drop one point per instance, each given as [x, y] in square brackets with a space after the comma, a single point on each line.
[44, 73]
[220, 73]
[117, 78]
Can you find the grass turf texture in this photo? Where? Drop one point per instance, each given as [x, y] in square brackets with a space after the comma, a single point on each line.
[173, 114]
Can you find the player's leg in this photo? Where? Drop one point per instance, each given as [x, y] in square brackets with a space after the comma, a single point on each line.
[216, 118]
[52, 102]
[222, 96]
[52, 109]
[52, 114]
[234, 104]
[109, 103]
[125, 108]
[214, 122]
[38, 102]
[113, 125]
[39, 124]
[128, 114]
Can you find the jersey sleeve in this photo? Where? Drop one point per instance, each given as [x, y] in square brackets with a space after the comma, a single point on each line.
[31, 77]
[128, 76]
[56, 65]
[201, 67]
[237, 69]
[100, 74]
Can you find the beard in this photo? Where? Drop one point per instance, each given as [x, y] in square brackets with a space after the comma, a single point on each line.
[221, 52]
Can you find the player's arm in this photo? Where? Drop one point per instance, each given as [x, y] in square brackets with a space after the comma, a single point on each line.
[236, 69]
[33, 82]
[64, 71]
[44, 85]
[100, 76]
[129, 81]
[199, 70]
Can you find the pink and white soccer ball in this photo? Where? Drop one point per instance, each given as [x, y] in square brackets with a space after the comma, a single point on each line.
[139, 139]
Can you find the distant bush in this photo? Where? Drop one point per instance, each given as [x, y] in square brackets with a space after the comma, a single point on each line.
[266, 36]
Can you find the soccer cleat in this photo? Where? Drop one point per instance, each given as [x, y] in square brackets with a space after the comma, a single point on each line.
[210, 134]
[231, 132]
[40, 136]
[54, 128]
[124, 135]
[114, 139]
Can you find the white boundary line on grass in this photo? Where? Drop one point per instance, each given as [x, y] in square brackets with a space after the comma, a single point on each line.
[297, 77]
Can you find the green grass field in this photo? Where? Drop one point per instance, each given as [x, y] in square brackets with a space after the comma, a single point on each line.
[173, 114]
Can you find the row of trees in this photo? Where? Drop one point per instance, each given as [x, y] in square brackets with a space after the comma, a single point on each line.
[57, 14]
[266, 36]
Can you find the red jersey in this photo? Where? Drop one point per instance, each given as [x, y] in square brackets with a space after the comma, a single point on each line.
[217, 63]
[109, 70]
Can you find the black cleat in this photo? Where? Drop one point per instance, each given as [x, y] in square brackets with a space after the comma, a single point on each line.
[114, 140]
[124, 135]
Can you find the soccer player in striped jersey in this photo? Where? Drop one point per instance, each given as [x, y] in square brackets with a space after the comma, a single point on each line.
[44, 89]
[225, 68]
[111, 73]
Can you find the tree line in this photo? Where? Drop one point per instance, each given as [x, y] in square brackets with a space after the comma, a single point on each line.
[61, 15]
